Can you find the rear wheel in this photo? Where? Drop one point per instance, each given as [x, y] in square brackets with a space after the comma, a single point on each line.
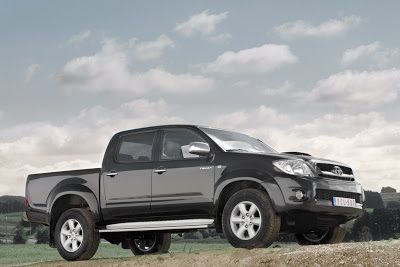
[75, 235]
[249, 221]
[150, 243]
[332, 235]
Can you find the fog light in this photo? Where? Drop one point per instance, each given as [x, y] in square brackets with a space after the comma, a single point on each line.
[299, 194]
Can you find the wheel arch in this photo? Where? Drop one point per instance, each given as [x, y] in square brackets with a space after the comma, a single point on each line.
[230, 186]
[67, 197]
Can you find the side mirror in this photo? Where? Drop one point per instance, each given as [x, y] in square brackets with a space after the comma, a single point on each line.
[199, 148]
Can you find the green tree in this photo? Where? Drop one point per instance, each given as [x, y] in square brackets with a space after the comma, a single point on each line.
[373, 200]
[20, 235]
[388, 189]
[42, 235]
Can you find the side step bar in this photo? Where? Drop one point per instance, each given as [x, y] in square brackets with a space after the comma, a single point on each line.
[158, 225]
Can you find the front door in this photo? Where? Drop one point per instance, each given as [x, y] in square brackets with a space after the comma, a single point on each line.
[127, 179]
[183, 183]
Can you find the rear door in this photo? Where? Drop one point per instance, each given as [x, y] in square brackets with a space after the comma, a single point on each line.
[127, 178]
[183, 183]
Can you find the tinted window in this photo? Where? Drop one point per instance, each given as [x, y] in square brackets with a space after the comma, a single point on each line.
[175, 144]
[136, 147]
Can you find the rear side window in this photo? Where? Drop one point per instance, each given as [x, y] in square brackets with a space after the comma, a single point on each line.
[136, 147]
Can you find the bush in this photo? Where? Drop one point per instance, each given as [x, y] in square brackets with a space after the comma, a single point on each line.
[42, 235]
[194, 235]
[20, 235]
[393, 205]
[176, 237]
[204, 233]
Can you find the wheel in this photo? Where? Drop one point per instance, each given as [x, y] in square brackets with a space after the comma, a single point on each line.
[332, 235]
[150, 243]
[249, 221]
[75, 235]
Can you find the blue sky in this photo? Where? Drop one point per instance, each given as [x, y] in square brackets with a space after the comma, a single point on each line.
[322, 78]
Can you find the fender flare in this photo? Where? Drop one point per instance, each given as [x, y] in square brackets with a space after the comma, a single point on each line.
[261, 178]
[71, 187]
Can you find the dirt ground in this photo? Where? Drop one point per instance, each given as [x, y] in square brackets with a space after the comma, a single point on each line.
[382, 253]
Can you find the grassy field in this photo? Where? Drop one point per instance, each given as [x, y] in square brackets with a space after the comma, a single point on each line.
[19, 254]
[14, 216]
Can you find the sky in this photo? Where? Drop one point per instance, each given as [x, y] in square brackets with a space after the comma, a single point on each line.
[310, 76]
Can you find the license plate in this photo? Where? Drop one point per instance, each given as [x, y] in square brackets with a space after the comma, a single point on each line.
[344, 202]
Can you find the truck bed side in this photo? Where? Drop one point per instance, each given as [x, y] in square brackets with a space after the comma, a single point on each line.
[45, 189]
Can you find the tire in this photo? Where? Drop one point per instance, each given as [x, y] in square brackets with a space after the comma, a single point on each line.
[150, 243]
[333, 235]
[249, 221]
[75, 235]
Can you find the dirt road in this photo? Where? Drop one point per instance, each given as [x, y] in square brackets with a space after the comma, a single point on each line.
[382, 253]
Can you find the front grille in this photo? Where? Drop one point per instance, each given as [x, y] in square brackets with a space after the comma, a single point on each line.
[343, 178]
[329, 194]
[325, 167]
[327, 171]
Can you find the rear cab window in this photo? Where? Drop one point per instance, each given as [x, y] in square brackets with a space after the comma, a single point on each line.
[136, 147]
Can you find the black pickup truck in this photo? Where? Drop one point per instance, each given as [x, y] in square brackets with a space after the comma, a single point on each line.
[177, 178]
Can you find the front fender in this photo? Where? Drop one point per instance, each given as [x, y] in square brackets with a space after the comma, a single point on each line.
[259, 177]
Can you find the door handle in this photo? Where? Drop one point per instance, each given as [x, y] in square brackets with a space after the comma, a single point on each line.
[112, 174]
[160, 170]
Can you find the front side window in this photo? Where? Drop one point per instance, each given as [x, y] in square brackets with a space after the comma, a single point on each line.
[175, 144]
[136, 147]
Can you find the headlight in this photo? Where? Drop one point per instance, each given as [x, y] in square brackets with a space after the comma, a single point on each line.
[293, 166]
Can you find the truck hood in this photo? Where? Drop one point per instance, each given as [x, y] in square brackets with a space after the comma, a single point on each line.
[313, 160]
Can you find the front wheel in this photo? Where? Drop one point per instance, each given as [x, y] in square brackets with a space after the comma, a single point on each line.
[332, 235]
[249, 221]
[75, 235]
[150, 243]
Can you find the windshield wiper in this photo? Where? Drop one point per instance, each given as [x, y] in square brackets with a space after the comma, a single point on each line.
[237, 149]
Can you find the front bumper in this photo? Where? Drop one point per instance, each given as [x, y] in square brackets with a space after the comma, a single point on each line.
[313, 202]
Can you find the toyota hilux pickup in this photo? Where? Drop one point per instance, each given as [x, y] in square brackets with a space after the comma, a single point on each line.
[177, 178]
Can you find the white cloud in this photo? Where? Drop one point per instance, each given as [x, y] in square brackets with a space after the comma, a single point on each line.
[78, 143]
[351, 89]
[203, 23]
[254, 60]
[30, 72]
[1, 114]
[282, 89]
[379, 55]
[78, 38]
[244, 118]
[109, 71]
[340, 125]
[332, 27]
[151, 49]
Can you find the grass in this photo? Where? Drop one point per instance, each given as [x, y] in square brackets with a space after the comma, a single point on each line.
[29, 253]
[19, 254]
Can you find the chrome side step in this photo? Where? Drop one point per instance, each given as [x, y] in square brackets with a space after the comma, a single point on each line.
[158, 225]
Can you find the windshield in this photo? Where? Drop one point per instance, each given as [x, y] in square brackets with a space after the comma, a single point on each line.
[231, 141]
